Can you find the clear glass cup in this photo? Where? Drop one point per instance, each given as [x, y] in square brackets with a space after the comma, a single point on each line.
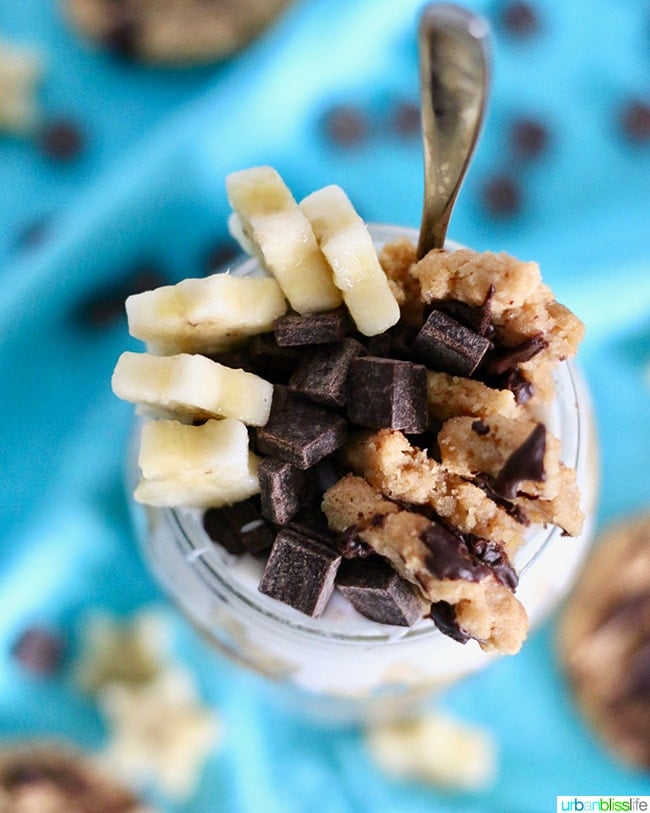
[342, 667]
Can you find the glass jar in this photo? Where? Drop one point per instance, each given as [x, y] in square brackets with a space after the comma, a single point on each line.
[342, 667]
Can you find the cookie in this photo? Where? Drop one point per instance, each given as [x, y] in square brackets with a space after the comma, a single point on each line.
[604, 640]
[52, 778]
[174, 32]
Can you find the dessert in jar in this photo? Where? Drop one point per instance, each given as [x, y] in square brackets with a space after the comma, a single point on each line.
[359, 470]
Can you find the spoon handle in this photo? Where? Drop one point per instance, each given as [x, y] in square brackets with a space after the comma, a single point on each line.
[454, 79]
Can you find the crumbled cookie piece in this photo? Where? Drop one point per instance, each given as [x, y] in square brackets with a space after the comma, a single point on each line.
[430, 557]
[604, 639]
[159, 732]
[411, 749]
[403, 472]
[20, 70]
[450, 396]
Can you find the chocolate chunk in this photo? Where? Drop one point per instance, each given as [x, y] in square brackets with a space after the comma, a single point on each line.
[503, 359]
[501, 197]
[387, 393]
[444, 344]
[322, 375]
[476, 317]
[311, 521]
[300, 432]
[406, 118]
[39, 651]
[529, 138]
[271, 361]
[350, 545]
[345, 125]
[239, 528]
[61, 140]
[317, 328]
[516, 382]
[635, 121]
[450, 556]
[300, 572]
[480, 428]
[283, 489]
[525, 463]
[443, 616]
[519, 19]
[375, 590]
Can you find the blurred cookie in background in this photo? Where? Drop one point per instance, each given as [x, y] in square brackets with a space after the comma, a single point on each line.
[173, 32]
[52, 778]
[604, 640]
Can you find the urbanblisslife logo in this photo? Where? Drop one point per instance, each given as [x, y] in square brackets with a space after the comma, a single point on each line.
[582, 804]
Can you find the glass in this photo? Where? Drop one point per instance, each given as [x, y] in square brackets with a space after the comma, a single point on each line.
[342, 667]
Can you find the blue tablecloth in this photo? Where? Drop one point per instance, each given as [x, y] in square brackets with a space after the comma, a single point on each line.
[149, 187]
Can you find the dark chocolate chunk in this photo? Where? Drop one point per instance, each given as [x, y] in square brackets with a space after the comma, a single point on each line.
[443, 616]
[283, 489]
[387, 393]
[300, 432]
[529, 138]
[239, 528]
[61, 140]
[105, 305]
[311, 521]
[322, 375]
[451, 558]
[300, 572]
[350, 545]
[345, 125]
[501, 196]
[376, 591]
[38, 650]
[525, 463]
[271, 361]
[406, 118]
[476, 317]
[635, 121]
[444, 344]
[316, 328]
[326, 472]
[503, 359]
[519, 19]
[480, 428]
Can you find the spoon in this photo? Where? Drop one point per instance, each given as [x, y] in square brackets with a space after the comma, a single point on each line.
[454, 79]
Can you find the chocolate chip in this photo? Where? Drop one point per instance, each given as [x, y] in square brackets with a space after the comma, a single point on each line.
[317, 328]
[406, 119]
[300, 572]
[529, 138]
[444, 344]
[283, 489]
[376, 591]
[503, 359]
[239, 528]
[61, 140]
[322, 375]
[480, 428]
[350, 545]
[105, 305]
[501, 196]
[345, 125]
[38, 650]
[525, 463]
[443, 616]
[519, 19]
[635, 121]
[300, 432]
[451, 558]
[387, 393]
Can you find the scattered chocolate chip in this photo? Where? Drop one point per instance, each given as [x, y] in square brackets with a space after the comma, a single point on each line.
[519, 19]
[345, 125]
[406, 119]
[376, 591]
[300, 432]
[61, 140]
[444, 344]
[322, 374]
[450, 556]
[480, 428]
[220, 255]
[635, 121]
[39, 651]
[502, 359]
[528, 138]
[525, 463]
[443, 616]
[501, 197]
[300, 572]
[284, 489]
[350, 545]
[105, 305]
[239, 528]
[316, 328]
[387, 393]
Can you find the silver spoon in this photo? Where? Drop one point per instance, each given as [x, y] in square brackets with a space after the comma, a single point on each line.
[454, 79]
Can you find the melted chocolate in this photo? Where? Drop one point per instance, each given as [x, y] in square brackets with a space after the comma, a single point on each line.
[525, 463]
[443, 616]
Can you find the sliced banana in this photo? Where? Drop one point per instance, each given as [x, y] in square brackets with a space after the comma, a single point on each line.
[204, 315]
[346, 242]
[191, 386]
[268, 217]
[198, 466]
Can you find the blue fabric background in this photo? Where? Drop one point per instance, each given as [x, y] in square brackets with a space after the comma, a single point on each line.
[150, 184]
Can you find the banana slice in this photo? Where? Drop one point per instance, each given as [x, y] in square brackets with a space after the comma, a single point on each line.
[269, 218]
[204, 315]
[190, 387]
[199, 466]
[345, 241]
